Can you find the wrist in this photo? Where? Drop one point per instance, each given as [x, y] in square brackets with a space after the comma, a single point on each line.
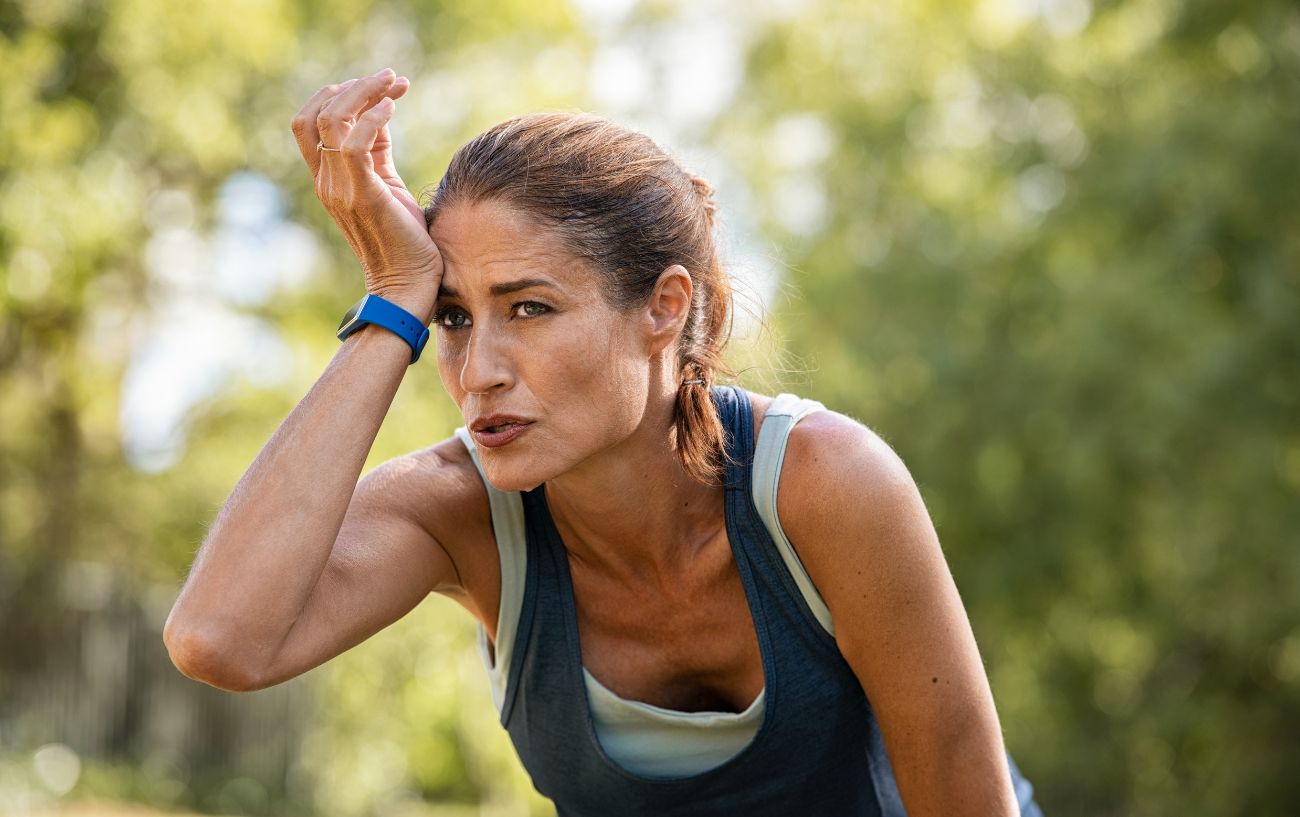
[377, 309]
[419, 302]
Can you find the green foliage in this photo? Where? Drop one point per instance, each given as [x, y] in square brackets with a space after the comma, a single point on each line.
[1050, 251]
[1062, 277]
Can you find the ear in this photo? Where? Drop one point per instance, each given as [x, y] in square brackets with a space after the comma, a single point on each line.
[669, 307]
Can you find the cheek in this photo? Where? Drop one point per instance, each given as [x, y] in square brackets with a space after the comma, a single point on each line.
[596, 355]
[448, 356]
[451, 365]
[605, 381]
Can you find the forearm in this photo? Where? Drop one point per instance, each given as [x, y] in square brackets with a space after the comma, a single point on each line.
[272, 538]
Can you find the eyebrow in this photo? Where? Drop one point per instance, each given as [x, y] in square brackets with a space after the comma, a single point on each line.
[496, 290]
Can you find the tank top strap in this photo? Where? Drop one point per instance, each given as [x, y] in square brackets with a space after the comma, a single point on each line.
[736, 416]
[779, 420]
[775, 566]
[508, 529]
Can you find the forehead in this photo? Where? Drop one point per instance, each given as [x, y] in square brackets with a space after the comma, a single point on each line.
[488, 242]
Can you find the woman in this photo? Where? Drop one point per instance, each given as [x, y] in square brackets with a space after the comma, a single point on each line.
[666, 631]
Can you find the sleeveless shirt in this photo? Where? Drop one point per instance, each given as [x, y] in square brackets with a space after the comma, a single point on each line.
[817, 749]
[641, 737]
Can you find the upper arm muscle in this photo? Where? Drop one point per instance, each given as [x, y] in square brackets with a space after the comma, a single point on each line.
[390, 553]
[858, 522]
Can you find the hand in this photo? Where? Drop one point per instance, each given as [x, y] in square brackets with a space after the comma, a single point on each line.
[362, 192]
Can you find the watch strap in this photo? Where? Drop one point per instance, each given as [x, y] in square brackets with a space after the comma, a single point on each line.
[374, 309]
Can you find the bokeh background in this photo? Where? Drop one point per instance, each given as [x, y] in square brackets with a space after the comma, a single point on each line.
[1048, 249]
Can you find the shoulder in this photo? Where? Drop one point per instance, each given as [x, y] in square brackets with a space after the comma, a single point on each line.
[439, 489]
[845, 498]
[832, 463]
[436, 485]
[831, 452]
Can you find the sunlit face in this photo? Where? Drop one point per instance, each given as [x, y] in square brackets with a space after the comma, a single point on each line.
[522, 329]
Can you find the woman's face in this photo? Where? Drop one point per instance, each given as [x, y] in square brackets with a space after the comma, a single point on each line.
[522, 330]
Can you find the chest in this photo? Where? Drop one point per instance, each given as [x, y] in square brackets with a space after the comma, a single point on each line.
[686, 643]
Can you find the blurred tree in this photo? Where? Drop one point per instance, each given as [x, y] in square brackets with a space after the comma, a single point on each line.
[143, 150]
[1050, 251]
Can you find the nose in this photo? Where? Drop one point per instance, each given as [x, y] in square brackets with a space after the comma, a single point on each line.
[487, 363]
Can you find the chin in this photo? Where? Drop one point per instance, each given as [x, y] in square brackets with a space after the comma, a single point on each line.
[510, 479]
[524, 468]
[512, 487]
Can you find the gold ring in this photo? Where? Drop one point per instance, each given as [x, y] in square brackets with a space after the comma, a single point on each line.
[321, 146]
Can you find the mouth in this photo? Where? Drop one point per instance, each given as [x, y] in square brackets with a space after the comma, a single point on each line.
[496, 423]
[500, 434]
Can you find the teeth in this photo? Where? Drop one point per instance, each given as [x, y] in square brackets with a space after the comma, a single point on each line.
[495, 429]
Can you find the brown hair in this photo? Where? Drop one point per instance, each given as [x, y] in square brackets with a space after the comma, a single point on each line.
[627, 207]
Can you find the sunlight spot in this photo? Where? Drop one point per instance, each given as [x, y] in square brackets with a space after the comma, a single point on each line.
[799, 141]
[1041, 188]
[620, 79]
[29, 275]
[57, 767]
[1066, 18]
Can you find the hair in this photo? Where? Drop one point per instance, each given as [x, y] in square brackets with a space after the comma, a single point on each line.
[622, 203]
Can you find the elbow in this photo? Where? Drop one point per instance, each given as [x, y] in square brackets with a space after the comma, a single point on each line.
[200, 657]
[954, 763]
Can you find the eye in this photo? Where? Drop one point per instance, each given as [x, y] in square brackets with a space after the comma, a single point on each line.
[542, 309]
[440, 317]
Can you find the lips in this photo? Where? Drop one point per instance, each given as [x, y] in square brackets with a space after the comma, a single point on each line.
[496, 434]
[495, 423]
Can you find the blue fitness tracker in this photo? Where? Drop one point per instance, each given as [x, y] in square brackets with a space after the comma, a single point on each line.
[374, 309]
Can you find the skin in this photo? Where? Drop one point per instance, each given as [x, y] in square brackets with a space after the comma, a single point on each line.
[599, 385]
[306, 560]
[662, 614]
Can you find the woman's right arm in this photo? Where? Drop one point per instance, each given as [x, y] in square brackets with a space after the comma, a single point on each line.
[298, 532]
[301, 562]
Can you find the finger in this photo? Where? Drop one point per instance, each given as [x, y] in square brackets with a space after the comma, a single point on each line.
[361, 141]
[339, 115]
[382, 151]
[304, 122]
[399, 88]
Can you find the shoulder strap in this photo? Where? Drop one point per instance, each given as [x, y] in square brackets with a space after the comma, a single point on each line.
[782, 414]
[508, 528]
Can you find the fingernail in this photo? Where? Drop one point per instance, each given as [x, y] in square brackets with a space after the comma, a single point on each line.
[384, 72]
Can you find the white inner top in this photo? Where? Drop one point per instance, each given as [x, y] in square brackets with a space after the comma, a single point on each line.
[643, 738]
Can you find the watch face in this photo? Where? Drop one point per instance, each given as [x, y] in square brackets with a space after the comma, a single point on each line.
[351, 314]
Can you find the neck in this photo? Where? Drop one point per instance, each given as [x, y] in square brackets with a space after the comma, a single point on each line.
[632, 509]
